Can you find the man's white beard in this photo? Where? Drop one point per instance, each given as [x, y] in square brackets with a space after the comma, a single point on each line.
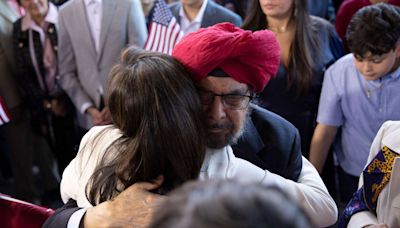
[215, 143]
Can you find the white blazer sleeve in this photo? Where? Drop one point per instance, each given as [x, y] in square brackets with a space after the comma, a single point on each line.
[310, 191]
[362, 219]
[79, 171]
[69, 186]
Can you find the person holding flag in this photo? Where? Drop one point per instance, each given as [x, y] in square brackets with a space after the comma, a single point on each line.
[168, 24]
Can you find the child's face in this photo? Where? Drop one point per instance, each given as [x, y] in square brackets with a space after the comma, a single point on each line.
[373, 67]
[35, 8]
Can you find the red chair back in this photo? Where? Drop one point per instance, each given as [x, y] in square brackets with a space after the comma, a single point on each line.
[15, 213]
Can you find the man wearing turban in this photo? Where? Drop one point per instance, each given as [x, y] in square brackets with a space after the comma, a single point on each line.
[229, 66]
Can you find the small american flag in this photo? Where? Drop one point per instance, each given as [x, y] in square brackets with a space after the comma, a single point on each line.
[4, 116]
[164, 31]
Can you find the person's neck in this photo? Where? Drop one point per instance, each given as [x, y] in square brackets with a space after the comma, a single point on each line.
[395, 66]
[279, 25]
[192, 10]
[38, 19]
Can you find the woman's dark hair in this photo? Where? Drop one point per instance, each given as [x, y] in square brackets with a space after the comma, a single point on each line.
[305, 46]
[155, 105]
[228, 203]
[374, 29]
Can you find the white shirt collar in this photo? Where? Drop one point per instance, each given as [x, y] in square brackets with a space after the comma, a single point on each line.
[88, 2]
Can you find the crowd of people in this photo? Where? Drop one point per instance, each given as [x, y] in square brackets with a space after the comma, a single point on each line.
[262, 100]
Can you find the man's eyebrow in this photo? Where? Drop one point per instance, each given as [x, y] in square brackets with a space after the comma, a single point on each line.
[238, 91]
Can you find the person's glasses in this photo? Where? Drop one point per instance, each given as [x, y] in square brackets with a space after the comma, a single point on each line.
[230, 101]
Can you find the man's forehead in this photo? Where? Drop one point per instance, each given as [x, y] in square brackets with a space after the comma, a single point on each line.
[370, 56]
[221, 84]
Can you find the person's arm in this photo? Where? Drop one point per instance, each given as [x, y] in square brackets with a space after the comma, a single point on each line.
[320, 144]
[363, 219]
[237, 20]
[388, 136]
[137, 31]
[62, 215]
[95, 114]
[335, 44]
[309, 191]
[68, 77]
[133, 207]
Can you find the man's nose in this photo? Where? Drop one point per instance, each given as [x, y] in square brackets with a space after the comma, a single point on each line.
[217, 109]
[367, 66]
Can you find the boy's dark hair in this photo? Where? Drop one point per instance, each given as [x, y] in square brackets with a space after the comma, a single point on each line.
[374, 29]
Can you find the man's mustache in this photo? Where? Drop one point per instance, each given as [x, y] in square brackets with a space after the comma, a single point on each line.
[220, 126]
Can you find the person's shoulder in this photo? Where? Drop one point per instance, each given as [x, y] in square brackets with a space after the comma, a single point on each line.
[261, 116]
[175, 5]
[108, 130]
[99, 137]
[343, 64]
[342, 72]
[321, 25]
[19, 34]
[222, 11]
[318, 21]
[392, 126]
[68, 7]
[391, 135]
[17, 23]
[391, 123]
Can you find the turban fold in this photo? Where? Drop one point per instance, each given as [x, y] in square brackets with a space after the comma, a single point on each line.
[248, 57]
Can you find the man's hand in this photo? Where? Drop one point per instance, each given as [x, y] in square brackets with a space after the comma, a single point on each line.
[58, 107]
[106, 116]
[99, 118]
[133, 207]
[95, 115]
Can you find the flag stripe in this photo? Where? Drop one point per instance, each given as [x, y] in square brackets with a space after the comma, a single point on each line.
[173, 39]
[157, 38]
[149, 41]
[176, 37]
[4, 116]
[167, 38]
[164, 31]
[162, 38]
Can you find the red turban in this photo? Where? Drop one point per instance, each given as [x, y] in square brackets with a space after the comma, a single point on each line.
[248, 57]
